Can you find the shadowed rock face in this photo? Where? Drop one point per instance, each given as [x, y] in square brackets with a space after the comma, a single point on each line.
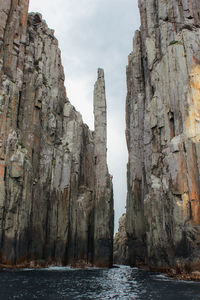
[163, 135]
[120, 245]
[52, 201]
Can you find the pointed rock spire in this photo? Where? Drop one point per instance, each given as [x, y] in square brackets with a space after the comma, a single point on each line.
[103, 224]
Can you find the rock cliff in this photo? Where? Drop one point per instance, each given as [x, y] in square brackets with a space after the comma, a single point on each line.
[120, 245]
[56, 203]
[163, 136]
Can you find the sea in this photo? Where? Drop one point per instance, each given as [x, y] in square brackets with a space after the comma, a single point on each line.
[121, 282]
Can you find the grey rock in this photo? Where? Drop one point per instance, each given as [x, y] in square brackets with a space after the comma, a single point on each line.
[162, 116]
[120, 253]
[103, 219]
[56, 204]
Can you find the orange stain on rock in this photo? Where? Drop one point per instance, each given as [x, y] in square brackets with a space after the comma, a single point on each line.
[2, 170]
[192, 130]
[193, 113]
[195, 208]
[24, 14]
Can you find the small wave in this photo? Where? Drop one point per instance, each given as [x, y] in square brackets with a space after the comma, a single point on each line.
[57, 268]
[67, 268]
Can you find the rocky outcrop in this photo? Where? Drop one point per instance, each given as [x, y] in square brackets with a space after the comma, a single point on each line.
[120, 245]
[163, 134]
[56, 203]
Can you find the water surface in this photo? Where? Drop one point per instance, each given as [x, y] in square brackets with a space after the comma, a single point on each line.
[60, 283]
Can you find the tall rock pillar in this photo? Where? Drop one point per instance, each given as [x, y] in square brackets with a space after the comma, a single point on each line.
[103, 225]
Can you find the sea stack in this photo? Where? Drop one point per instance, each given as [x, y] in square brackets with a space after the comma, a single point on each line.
[104, 219]
[163, 137]
[52, 167]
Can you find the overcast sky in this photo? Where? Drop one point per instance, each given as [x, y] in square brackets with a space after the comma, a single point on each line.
[93, 34]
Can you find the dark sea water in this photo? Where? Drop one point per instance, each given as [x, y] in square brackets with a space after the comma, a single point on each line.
[116, 283]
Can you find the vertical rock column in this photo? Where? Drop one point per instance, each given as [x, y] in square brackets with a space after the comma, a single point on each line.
[135, 225]
[13, 26]
[103, 223]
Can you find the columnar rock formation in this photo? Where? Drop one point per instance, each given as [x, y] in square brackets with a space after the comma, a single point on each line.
[56, 201]
[163, 135]
[103, 235]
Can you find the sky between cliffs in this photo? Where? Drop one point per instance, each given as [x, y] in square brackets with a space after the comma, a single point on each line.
[92, 34]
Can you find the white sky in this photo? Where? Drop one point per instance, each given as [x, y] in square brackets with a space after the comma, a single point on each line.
[92, 34]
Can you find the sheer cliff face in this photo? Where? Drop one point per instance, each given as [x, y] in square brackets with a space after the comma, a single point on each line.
[163, 135]
[50, 192]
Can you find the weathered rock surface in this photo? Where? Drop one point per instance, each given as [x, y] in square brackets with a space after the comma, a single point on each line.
[163, 136]
[104, 219]
[56, 201]
[120, 245]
